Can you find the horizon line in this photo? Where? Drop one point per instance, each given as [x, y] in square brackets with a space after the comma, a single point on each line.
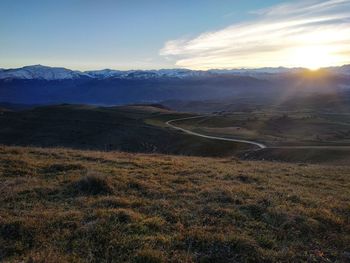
[178, 68]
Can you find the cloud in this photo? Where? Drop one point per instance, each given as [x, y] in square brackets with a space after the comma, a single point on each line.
[308, 33]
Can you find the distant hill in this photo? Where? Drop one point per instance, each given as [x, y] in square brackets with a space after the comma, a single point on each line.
[3, 110]
[152, 105]
[122, 91]
[15, 106]
[333, 102]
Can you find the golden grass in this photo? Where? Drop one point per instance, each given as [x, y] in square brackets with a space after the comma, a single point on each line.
[59, 205]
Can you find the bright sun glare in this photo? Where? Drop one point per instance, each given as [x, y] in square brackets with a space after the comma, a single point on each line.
[314, 57]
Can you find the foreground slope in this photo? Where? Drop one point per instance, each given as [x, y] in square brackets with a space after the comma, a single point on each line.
[83, 206]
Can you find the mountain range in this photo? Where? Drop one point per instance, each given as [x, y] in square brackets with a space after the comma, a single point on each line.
[59, 73]
[48, 85]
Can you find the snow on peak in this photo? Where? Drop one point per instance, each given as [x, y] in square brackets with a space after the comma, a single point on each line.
[104, 73]
[40, 72]
[59, 73]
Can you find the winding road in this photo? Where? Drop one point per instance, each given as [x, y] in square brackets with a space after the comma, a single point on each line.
[169, 123]
[257, 144]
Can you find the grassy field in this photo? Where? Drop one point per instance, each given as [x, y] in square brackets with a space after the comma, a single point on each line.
[59, 205]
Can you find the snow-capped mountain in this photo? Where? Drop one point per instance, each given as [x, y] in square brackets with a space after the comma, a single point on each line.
[145, 74]
[344, 70]
[104, 73]
[257, 71]
[57, 73]
[41, 72]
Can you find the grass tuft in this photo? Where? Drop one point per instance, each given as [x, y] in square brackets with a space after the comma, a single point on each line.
[149, 256]
[92, 185]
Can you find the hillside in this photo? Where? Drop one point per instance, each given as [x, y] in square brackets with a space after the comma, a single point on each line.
[105, 128]
[112, 91]
[86, 206]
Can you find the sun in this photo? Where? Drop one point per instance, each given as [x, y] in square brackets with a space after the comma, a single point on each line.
[313, 57]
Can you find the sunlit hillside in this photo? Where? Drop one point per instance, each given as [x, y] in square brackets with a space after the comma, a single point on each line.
[75, 206]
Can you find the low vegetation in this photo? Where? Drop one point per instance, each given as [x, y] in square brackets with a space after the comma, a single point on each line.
[59, 205]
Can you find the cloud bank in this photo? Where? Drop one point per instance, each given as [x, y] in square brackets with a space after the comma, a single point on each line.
[308, 33]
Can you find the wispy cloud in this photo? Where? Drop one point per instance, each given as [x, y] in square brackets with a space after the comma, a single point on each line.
[308, 33]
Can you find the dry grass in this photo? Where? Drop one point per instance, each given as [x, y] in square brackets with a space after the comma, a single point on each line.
[81, 206]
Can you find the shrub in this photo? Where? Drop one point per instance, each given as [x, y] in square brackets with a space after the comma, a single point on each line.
[92, 185]
[246, 179]
[266, 241]
[149, 256]
[125, 215]
[154, 223]
[15, 238]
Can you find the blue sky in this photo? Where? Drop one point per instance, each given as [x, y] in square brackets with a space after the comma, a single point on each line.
[142, 34]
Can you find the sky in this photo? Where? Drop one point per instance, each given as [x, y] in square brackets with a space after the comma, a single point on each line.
[194, 34]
